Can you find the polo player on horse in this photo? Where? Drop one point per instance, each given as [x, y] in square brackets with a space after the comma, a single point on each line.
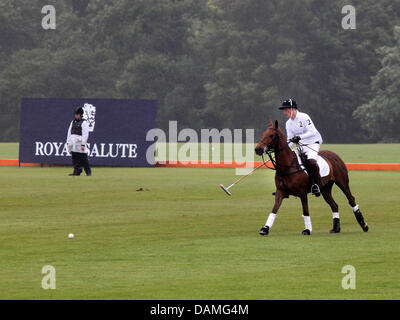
[299, 126]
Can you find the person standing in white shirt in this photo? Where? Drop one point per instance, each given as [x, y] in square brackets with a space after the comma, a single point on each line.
[299, 126]
[77, 136]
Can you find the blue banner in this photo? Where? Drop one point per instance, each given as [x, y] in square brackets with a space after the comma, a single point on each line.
[117, 130]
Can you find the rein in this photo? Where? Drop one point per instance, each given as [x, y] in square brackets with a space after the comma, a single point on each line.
[268, 150]
[301, 145]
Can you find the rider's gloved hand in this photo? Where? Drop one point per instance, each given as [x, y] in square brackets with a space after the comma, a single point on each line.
[295, 139]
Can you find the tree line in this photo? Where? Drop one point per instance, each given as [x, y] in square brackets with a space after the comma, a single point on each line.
[210, 63]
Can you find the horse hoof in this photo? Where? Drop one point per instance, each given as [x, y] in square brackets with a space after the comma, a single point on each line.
[336, 226]
[264, 231]
[365, 227]
[306, 232]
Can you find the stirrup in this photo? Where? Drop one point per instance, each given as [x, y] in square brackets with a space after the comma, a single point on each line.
[315, 190]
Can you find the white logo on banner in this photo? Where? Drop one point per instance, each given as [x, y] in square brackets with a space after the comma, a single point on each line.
[89, 114]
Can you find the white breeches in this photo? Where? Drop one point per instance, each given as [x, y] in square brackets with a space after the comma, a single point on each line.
[311, 150]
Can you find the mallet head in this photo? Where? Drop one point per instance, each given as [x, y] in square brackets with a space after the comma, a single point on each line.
[225, 189]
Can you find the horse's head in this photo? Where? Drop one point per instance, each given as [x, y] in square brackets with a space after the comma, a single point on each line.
[269, 140]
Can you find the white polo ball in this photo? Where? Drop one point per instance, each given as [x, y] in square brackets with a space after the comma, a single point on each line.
[71, 235]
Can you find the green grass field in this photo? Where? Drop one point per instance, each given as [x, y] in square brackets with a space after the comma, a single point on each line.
[183, 238]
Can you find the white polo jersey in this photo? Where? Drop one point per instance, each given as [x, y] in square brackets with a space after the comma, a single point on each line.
[75, 141]
[303, 127]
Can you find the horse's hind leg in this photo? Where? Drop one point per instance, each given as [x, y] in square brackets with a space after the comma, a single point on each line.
[327, 194]
[343, 184]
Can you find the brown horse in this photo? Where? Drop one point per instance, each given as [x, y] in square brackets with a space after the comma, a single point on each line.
[291, 179]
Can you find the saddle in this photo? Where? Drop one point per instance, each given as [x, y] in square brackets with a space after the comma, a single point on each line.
[323, 165]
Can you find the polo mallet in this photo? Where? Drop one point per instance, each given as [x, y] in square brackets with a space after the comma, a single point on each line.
[226, 189]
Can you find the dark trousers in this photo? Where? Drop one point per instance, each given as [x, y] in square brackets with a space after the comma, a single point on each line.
[80, 160]
[313, 169]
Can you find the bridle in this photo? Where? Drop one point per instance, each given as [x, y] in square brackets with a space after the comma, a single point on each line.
[269, 150]
[269, 147]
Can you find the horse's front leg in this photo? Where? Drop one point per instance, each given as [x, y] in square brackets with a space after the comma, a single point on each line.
[306, 216]
[279, 196]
